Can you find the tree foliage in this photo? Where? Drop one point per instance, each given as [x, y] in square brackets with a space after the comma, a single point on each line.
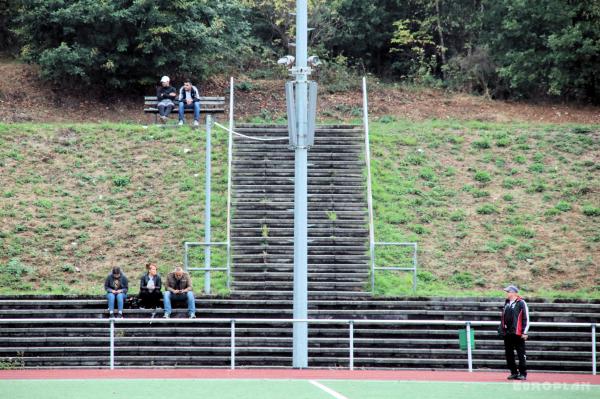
[516, 48]
[128, 43]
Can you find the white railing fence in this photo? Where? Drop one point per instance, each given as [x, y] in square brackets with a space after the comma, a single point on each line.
[351, 323]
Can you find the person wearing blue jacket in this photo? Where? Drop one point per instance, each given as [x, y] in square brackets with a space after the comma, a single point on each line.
[116, 286]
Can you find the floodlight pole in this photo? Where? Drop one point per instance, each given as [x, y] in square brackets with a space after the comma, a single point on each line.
[207, 194]
[301, 72]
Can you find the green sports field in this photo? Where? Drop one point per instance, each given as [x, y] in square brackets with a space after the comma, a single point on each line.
[286, 389]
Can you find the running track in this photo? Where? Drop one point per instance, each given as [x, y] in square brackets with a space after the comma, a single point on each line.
[290, 374]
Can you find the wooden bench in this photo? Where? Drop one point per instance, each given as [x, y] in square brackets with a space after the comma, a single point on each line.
[208, 105]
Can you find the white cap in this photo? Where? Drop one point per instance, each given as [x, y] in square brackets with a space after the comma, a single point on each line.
[165, 79]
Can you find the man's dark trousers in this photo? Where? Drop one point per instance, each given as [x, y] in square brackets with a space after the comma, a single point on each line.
[514, 342]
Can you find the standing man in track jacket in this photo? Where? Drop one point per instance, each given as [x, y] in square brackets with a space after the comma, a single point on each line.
[513, 328]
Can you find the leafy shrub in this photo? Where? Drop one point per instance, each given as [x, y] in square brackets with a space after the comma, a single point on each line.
[482, 176]
[121, 181]
[590, 210]
[125, 44]
[563, 206]
[482, 144]
[457, 216]
[520, 231]
[15, 268]
[427, 174]
[463, 279]
[537, 168]
[487, 209]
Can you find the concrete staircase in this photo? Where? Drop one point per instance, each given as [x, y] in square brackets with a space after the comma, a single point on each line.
[198, 344]
[263, 218]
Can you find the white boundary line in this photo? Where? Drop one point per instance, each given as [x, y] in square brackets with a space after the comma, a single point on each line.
[330, 391]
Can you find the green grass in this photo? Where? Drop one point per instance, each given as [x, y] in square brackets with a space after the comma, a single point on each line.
[92, 196]
[505, 203]
[501, 202]
[290, 389]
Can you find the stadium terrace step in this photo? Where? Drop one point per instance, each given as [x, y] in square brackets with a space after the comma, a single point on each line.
[260, 344]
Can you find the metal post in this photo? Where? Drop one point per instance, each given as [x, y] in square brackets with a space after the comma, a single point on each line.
[469, 354]
[415, 268]
[301, 71]
[369, 189]
[207, 205]
[232, 344]
[185, 256]
[229, 164]
[351, 344]
[594, 348]
[112, 344]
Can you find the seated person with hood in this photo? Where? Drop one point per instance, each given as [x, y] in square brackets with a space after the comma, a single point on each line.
[116, 286]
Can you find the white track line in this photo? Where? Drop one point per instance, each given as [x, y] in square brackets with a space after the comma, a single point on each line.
[330, 391]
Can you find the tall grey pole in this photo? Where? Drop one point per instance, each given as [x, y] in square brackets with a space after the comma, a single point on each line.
[301, 71]
[207, 206]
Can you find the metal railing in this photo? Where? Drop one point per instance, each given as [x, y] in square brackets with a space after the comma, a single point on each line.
[372, 243]
[207, 244]
[206, 269]
[113, 323]
[412, 269]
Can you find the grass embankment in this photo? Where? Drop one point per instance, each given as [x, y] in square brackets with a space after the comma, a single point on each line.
[79, 199]
[488, 204]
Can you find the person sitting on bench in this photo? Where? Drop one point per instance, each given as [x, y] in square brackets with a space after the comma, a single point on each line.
[150, 285]
[189, 97]
[179, 288]
[116, 286]
[165, 95]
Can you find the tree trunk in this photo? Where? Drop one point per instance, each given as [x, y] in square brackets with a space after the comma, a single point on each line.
[441, 35]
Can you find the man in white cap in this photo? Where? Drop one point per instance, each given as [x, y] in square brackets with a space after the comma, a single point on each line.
[165, 95]
[513, 328]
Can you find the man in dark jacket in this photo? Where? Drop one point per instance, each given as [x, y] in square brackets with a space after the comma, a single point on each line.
[179, 288]
[514, 327]
[116, 286]
[165, 95]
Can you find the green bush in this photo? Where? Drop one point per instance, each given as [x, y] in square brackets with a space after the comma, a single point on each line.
[487, 209]
[483, 176]
[463, 279]
[563, 206]
[121, 181]
[128, 44]
[590, 210]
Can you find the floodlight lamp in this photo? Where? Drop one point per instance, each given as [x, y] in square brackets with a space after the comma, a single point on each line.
[287, 61]
[314, 61]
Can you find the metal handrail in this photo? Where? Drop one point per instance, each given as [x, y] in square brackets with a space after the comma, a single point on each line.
[186, 260]
[412, 269]
[229, 172]
[369, 188]
[372, 242]
[350, 322]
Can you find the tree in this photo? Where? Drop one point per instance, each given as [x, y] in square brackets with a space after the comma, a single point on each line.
[129, 43]
[548, 47]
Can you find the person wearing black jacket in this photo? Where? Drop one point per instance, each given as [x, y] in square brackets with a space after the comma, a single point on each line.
[513, 328]
[150, 285]
[165, 95]
[116, 286]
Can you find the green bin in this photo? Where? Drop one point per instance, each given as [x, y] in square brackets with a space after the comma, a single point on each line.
[462, 339]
